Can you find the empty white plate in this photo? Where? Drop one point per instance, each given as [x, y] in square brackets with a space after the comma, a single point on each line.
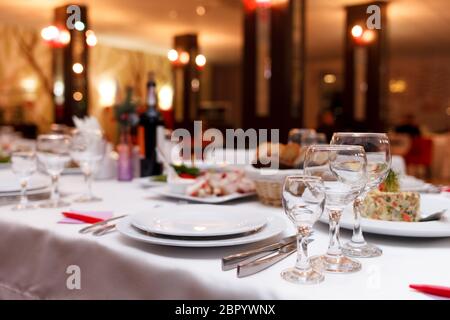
[10, 183]
[275, 225]
[197, 220]
[428, 204]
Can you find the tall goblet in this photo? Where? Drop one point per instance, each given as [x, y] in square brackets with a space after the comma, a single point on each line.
[377, 148]
[53, 154]
[87, 149]
[303, 200]
[24, 165]
[343, 172]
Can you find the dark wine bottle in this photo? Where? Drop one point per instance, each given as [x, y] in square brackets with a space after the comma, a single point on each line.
[153, 125]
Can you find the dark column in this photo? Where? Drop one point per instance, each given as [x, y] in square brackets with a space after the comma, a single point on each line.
[75, 98]
[365, 66]
[186, 82]
[281, 27]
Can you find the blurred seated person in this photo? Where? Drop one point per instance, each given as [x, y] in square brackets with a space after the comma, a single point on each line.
[326, 124]
[408, 126]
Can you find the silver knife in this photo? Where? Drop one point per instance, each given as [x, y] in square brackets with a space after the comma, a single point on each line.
[101, 223]
[232, 261]
[245, 270]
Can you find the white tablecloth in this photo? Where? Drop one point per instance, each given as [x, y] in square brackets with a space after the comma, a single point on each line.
[36, 251]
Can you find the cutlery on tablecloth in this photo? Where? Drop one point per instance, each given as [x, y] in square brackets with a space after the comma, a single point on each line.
[100, 224]
[248, 269]
[431, 289]
[433, 216]
[232, 261]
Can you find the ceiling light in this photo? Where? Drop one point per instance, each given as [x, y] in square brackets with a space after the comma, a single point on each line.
[357, 31]
[184, 57]
[200, 60]
[172, 55]
[329, 78]
[77, 68]
[200, 10]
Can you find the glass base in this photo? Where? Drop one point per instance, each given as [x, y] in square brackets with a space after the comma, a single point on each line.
[54, 204]
[335, 264]
[88, 198]
[298, 276]
[365, 250]
[21, 207]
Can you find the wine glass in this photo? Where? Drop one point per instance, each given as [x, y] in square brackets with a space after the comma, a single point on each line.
[53, 154]
[87, 149]
[377, 148]
[303, 200]
[344, 175]
[24, 165]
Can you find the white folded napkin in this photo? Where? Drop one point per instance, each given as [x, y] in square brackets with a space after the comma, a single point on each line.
[87, 124]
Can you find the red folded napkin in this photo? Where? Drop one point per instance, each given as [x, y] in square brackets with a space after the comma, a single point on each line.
[83, 217]
[434, 290]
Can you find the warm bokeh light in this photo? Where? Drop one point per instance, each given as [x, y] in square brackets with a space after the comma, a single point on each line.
[172, 55]
[79, 26]
[91, 38]
[195, 85]
[29, 84]
[329, 78]
[107, 90]
[200, 10]
[368, 36]
[200, 60]
[165, 97]
[64, 37]
[357, 31]
[184, 57]
[397, 86]
[77, 96]
[77, 68]
[50, 33]
[58, 88]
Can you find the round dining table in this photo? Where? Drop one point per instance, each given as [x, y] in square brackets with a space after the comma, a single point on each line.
[40, 256]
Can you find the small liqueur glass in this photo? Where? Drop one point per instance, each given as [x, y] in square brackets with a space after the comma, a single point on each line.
[24, 165]
[303, 199]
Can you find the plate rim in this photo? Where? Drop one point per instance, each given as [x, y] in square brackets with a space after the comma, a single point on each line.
[263, 221]
[278, 227]
[207, 200]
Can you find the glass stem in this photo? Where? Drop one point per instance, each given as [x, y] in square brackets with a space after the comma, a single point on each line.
[23, 193]
[55, 189]
[88, 180]
[334, 246]
[302, 249]
[357, 236]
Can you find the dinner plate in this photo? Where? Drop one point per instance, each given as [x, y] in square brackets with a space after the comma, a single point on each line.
[274, 226]
[198, 220]
[428, 204]
[10, 184]
[165, 191]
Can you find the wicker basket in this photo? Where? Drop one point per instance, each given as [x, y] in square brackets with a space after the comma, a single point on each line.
[268, 185]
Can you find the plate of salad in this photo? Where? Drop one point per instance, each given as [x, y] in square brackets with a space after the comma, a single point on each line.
[184, 171]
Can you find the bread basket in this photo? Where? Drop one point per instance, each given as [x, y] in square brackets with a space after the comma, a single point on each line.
[269, 182]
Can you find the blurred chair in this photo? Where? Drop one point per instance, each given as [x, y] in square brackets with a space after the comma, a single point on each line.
[419, 157]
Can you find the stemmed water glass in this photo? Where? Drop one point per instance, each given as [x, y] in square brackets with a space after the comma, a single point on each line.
[377, 148]
[87, 150]
[303, 200]
[24, 165]
[344, 175]
[53, 154]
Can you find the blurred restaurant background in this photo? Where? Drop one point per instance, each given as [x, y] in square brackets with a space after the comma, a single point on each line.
[236, 64]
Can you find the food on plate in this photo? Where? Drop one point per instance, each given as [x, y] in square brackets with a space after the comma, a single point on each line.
[220, 184]
[186, 172]
[388, 203]
[286, 156]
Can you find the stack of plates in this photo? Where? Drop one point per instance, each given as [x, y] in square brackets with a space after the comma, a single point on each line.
[199, 225]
